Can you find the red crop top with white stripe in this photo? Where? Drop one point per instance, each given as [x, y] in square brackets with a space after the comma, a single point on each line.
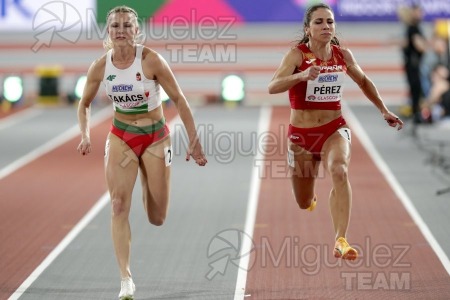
[325, 92]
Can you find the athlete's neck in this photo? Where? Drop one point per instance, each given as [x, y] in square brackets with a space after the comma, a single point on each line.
[321, 51]
[123, 54]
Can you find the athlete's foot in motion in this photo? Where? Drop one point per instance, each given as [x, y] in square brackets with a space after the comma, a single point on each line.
[313, 204]
[343, 250]
[127, 289]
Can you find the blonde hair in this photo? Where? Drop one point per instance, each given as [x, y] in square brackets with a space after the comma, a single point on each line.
[138, 39]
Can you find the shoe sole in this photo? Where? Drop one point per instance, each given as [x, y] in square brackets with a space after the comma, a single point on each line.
[351, 254]
[126, 298]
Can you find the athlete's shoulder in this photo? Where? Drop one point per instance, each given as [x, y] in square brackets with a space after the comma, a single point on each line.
[97, 68]
[295, 54]
[99, 63]
[302, 47]
[346, 52]
[347, 56]
[149, 54]
[153, 60]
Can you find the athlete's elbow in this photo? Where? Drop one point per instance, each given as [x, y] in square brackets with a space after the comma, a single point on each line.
[176, 99]
[272, 89]
[84, 104]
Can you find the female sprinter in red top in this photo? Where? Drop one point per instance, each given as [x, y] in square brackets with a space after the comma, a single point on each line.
[132, 75]
[313, 73]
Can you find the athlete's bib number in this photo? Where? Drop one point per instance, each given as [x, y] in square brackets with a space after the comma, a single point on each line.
[327, 87]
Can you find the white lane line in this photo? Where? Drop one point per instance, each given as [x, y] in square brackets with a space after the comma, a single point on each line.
[395, 185]
[19, 117]
[252, 206]
[53, 143]
[90, 215]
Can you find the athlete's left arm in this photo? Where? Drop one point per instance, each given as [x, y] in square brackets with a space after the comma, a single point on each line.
[369, 89]
[163, 74]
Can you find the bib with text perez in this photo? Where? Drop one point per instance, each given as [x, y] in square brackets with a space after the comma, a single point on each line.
[327, 87]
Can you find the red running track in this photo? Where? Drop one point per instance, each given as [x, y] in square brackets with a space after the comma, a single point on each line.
[293, 257]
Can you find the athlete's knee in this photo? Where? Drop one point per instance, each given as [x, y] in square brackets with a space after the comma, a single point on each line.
[304, 205]
[339, 172]
[119, 207]
[304, 200]
[157, 220]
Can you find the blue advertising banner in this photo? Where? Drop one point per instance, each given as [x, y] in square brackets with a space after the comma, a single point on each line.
[386, 10]
[345, 10]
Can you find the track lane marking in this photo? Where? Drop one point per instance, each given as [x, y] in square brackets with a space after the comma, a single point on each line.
[53, 143]
[18, 117]
[252, 206]
[87, 218]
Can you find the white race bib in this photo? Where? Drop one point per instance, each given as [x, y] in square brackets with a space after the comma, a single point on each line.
[168, 153]
[327, 87]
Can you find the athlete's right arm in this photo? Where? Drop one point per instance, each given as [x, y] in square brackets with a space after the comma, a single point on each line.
[94, 78]
[284, 79]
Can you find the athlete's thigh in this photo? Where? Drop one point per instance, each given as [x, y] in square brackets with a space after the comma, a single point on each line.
[336, 148]
[155, 173]
[121, 167]
[304, 168]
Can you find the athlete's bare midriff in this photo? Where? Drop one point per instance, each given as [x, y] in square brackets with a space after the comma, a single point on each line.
[140, 120]
[312, 117]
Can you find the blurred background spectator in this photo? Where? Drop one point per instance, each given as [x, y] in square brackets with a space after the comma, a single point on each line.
[437, 104]
[414, 46]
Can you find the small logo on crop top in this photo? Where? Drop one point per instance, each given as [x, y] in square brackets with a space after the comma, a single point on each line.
[122, 88]
[138, 76]
[310, 61]
[332, 68]
[328, 78]
[111, 77]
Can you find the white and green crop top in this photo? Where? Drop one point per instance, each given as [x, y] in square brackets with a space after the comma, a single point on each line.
[129, 90]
